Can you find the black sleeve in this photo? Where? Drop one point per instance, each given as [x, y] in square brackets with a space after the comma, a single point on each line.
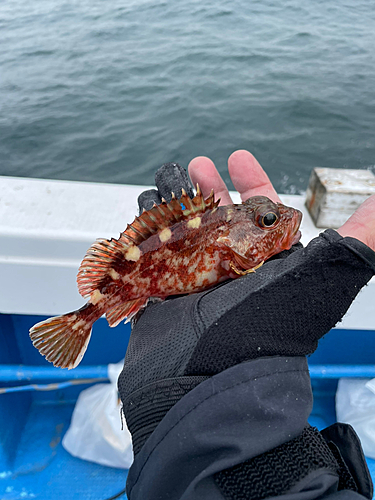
[243, 435]
[284, 308]
[281, 310]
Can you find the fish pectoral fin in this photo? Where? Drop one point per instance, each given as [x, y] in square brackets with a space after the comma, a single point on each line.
[125, 310]
[62, 340]
[97, 263]
[236, 246]
[246, 265]
[240, 264]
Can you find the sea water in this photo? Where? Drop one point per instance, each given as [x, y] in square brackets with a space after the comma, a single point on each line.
[108, 91]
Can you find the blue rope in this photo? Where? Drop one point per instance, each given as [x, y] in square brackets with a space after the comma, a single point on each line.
[19, 373]
[51, 387]
[10, 373]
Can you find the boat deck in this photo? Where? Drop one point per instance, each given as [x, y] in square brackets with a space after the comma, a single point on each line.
[45, 229]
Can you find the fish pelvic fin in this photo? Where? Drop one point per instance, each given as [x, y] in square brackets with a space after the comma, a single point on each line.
[247, 271]
[166, 215]
[63, 340]
[126, 310]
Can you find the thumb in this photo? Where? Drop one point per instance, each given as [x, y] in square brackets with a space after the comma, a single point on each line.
[361, 224]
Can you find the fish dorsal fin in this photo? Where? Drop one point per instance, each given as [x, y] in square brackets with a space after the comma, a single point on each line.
[102, 254]
[166, 215]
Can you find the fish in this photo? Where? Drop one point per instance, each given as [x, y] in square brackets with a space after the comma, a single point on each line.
[180, 247]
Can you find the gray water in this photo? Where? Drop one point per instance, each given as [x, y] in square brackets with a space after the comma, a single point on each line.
[108, 91]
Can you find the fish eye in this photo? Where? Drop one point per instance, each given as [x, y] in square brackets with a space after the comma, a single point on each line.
[268, 220]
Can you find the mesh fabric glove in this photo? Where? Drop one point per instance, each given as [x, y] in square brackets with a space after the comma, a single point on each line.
[281, 310]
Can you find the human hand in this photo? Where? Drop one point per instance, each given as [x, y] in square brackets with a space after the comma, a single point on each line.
[282, 309]
[250, 179]
[224, 370]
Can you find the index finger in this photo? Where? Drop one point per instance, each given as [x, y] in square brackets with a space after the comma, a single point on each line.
[248, 176]
[202, 171]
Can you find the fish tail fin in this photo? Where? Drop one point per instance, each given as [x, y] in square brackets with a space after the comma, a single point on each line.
[63, 339]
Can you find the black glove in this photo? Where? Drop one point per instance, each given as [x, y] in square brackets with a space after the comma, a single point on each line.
[281, 310]
[170, 178]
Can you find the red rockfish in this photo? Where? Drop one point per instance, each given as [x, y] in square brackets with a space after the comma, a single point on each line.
[180, 247]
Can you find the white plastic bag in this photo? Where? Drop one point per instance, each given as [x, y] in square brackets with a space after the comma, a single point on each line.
[95, 430]
[355, 405]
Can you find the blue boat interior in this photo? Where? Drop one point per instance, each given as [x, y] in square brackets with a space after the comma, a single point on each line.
[33, 462]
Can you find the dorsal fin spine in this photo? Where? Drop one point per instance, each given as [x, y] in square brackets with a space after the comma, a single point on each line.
[161, 209]
[143, 223]
[205, 202]
[174, 205]
[187, 202]
[144, 220]
[126, 239]
[135, 230]
[156, 216]
[152, 217]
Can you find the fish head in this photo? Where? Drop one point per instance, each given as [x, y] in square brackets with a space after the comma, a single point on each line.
[274, 227]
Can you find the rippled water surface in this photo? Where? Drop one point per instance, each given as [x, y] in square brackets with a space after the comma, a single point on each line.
[108, 91]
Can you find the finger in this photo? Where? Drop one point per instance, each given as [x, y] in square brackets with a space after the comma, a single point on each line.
[361, 225]
[172, 178]
[147, 199]
[248, 176]
[202, 171]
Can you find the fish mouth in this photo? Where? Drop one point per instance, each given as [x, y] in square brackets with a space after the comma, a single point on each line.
[296, 237]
